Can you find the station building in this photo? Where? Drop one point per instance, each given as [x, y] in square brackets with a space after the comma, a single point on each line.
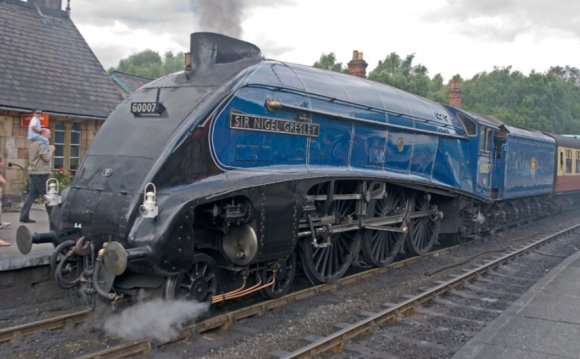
[46, 64]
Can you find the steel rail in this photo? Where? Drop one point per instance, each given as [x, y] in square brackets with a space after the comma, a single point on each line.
[336, 341]
[10, 334]
[226, 320]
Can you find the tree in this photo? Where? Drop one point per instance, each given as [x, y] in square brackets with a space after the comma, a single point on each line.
[328, 62]
[401, 73]
[148, 63]
[173, 63]
[543, 101]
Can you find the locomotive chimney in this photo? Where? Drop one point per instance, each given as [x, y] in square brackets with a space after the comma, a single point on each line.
[454, 94]
[357, 66]
[209, 49]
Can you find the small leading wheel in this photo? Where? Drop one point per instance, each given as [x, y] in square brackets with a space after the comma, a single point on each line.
[380, 248]
[284, 278]
[423, 230]
[199, 283]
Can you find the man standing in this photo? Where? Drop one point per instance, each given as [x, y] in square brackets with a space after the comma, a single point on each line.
[39, 157]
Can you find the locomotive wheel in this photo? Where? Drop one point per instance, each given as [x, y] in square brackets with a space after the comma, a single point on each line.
[324, 264]
[284, 278]
[327, 264]
[199, 283]
[380, 248]
[423, 231]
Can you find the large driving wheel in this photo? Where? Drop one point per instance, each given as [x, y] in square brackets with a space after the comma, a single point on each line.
[199, 283]
[423, 229]
[330, 258]
[379, 247]
[284, 278]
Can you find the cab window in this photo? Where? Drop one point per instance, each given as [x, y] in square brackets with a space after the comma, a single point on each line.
[485, 139]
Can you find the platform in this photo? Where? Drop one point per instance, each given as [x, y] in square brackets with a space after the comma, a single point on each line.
[10, 257]
[543, 323]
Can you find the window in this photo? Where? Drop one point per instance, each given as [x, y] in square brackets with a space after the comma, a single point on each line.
[468, 124]
[75, 147]
[67, 143]
[485, 139]
[59, 144]
[568, 161]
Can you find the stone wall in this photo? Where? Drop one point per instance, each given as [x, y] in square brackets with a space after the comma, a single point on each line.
[14, 146]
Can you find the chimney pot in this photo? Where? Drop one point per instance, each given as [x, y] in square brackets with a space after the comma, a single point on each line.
[357, 66]
[454, 94]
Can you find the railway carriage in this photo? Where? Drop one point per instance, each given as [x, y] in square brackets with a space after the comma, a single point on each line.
[567, 164]
[219, 181]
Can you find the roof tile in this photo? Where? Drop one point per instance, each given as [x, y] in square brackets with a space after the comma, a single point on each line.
[45, 63]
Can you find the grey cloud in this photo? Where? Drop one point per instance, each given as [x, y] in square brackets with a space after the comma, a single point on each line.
[271, 49]
[505, 19]
[177, 18]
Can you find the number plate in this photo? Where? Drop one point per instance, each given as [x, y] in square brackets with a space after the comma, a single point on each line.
[147, 108]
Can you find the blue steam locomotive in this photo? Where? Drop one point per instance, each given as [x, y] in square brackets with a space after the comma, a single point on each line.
[223, 179]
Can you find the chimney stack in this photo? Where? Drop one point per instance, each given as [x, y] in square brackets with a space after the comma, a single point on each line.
[454, 94]
[48, 4]
[357, 66]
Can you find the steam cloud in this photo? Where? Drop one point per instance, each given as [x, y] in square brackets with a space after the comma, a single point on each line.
[223, 16]
[157, 318]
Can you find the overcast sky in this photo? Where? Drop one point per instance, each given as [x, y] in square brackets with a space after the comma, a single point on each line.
[447, 36]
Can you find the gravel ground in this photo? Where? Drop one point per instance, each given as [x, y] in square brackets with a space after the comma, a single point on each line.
[286, 327]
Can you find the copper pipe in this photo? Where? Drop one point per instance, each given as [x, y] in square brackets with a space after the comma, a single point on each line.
[240, 292]
[222, 297]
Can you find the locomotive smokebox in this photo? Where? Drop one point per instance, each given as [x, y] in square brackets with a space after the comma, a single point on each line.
[208, 49]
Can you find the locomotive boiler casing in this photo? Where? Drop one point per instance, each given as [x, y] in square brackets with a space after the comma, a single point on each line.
[235, 144]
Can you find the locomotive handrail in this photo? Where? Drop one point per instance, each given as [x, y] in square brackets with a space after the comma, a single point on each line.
[350, 103]
[272, 105]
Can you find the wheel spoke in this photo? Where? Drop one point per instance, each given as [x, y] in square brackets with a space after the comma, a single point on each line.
[327, 264]
[380, 248]
[199, 283]
[424, 231]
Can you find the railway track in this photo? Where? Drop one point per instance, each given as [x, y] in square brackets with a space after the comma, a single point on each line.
[221, 321]
[115, 347]
[470, 300]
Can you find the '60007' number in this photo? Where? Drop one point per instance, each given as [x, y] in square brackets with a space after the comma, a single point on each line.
[146, 108]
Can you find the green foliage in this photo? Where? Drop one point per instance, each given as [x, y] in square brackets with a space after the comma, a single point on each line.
[63, 177]
[401, 73]
[149, 63]
[328, 62]
[547, 102]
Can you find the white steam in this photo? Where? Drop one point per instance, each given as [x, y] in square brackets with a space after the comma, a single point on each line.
[158, 318]
[223, 16]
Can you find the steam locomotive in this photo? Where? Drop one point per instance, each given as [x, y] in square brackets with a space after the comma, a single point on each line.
[223, 179]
